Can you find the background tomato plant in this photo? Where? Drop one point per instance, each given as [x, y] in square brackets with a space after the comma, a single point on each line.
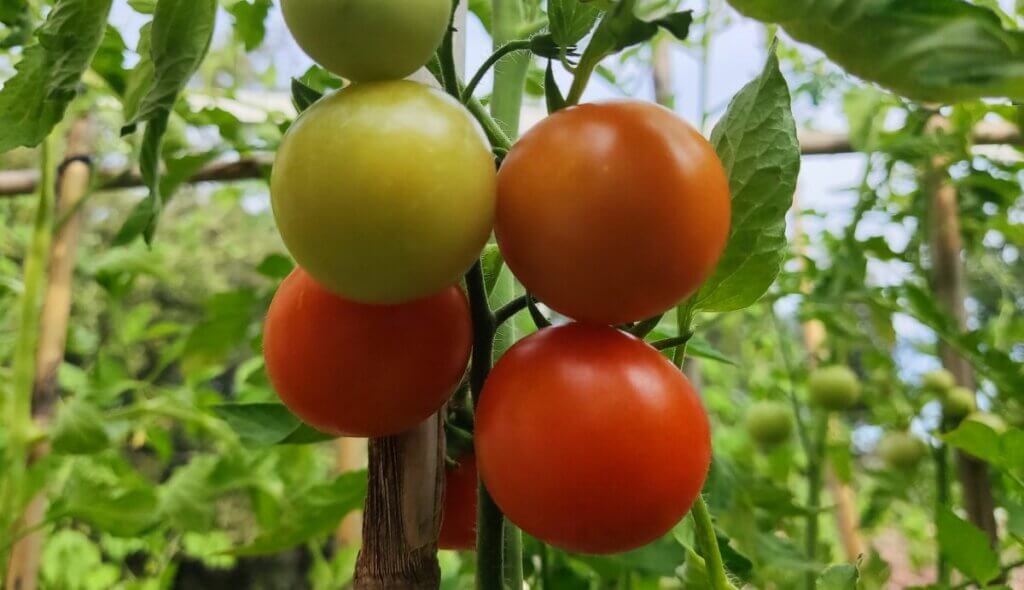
[171, 463]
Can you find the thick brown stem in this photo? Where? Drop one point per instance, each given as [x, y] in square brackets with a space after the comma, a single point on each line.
[402, 516]
[72, 186]
[946, 243]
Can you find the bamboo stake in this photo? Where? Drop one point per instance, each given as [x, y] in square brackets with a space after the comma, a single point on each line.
[73, 184]
[946, 247]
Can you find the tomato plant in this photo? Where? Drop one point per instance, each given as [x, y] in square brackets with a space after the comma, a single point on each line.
[384, 192]
[364, 370]
[433, 231]
[560, 460]
[612, 243]
[368, 40]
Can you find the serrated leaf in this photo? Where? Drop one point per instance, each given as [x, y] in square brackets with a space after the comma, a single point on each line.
[179, 39]
[756, 140]
[303, 96]
[33, 101]
[966, 547]
[571, 20]
[79, 430]
[928, 50]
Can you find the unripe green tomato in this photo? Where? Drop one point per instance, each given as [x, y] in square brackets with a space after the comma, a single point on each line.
[938, 382]
[991, 420]
[384, 192]
[901, 451]
[769, 423]
[833, 388]
[368, 40]
[958, 402]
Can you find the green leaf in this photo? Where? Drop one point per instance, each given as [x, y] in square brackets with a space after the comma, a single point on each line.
[267, 424]
[314, 513]
[250, 21]
[571, 20]
[79, 430]
[180, 37]
[303, 96]
[120, 511]
[143, 217]
[48, 74]
[756, 140]
[927, 50]
[966, 547]
[276, 266]
[838, 577]
[552, 94]
[978, 440]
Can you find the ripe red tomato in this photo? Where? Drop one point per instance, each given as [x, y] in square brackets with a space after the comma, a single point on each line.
[590, 440]
[364, 370]
[458, 523]
[612, 212]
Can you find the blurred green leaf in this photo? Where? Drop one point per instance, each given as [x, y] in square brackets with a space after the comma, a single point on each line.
[966, 547]
[79, 429]
[267, 424]
[838, 577]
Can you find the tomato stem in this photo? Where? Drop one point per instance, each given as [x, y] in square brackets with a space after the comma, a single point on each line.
[490, 521]
[513, 307]
[510, 47]
[707, 543]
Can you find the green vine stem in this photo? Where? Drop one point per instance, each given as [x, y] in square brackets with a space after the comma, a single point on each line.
[814, 487]
[941, 455]
[17, 414]
[707, 544]
[510, 47]
[490, 521]
[707, 540]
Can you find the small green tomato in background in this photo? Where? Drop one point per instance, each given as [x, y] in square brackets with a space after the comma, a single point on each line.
[769, 423]
[385, 192]
[834, 388]
[991, 420]
[958, 402]
[901, 451]
[368, 40]
[938, 382]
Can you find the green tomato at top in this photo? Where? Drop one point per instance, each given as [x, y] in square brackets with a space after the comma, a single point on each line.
[384, 192]
[368, 40]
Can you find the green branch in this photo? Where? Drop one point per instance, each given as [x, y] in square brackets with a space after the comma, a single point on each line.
[510, 47]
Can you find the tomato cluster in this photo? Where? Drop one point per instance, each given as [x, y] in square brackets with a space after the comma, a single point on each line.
[385, 193]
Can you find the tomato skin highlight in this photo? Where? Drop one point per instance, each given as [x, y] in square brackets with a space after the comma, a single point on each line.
[590, 440]
[612, 212]
[362, 370]
[385, 192]
[368, 40]
[458, 522]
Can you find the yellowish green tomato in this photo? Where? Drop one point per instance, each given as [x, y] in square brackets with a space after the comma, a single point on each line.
[958, 402]
[384, 192]
[769, 423]
[991, 420]
[368, 40]
[901, 451]
[938, 382]
[834, 388]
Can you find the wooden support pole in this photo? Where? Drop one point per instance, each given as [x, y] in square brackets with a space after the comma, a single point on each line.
[351, 456]
[812, 143]
[947, 276]
[72, 186]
